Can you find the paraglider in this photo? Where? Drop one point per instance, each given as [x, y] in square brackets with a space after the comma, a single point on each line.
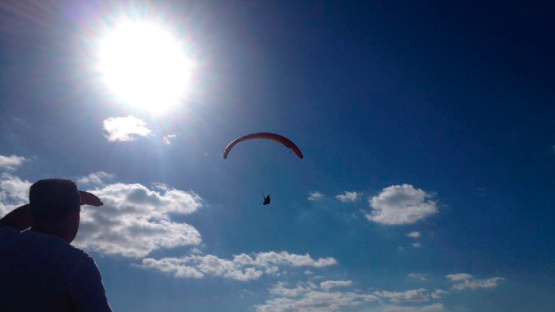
[266, 200]
[265, 136]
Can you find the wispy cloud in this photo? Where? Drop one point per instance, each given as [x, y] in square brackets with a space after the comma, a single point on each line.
[348, 197]
[412, 295]
[439, 293]
[11, 162]
[479, 283]
[459, 277]
[327, 285]
[168, 138]
[315, 301]
[414, 235]
[401, 204]
[419, 276]
[280, 289]
[315, 196]
[436, 307]
[124, 128]
[242, 267]
[466, 281]
[416, 245]
[135, 220]
[98, 178]
[309, 297]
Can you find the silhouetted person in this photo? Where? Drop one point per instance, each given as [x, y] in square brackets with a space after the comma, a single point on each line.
[39, 269]
[266, 200]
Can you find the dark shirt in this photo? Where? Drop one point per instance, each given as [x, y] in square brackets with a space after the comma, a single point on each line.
[41, 272]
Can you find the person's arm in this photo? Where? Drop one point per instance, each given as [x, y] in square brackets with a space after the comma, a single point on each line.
[20, 218]
[90, 199]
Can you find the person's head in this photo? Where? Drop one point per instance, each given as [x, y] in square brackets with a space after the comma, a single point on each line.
[55, 205]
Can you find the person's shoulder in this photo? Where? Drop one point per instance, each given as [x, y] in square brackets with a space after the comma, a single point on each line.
[6, 232]
[81, 264]
[80, 255]
[56, 245]
[81, 271]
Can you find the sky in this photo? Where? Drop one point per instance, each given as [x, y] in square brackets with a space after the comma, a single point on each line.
[426, 127]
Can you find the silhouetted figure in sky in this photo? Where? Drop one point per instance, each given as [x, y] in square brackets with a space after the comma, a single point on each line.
[266, 200]
[39, 269]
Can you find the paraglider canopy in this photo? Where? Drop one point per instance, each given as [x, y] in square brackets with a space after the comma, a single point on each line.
[265, 136]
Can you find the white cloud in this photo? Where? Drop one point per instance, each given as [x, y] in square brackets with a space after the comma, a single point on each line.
[327, 285]
[124, 128]
[310, 299]
[11, 162]
[478, 283]
[438, 293]
[308, 272]
[348, 197]
[417, 276]
[412, 295]
[459, 277]
[315, 196]
[414, 234]
[243, 267]
[436, 307]
[401, 204]
[196, 251]
[168, 138]
[266, 258]
[467, 281]
[280, 289]
[416, 245]
[173, 266]
[196, 266]
[99, 177]
[14, 192]
[135, 220]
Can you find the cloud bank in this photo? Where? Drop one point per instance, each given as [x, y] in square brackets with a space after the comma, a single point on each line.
[135, 220]
[242, 267]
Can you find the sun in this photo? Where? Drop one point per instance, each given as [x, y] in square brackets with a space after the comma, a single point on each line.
[144, 66]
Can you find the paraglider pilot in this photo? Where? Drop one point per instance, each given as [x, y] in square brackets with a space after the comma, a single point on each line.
[266, 200]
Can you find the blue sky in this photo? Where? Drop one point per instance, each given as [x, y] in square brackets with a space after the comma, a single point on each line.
[428, 135]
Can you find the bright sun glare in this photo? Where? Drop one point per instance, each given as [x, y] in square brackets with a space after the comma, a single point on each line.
[145, 66]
